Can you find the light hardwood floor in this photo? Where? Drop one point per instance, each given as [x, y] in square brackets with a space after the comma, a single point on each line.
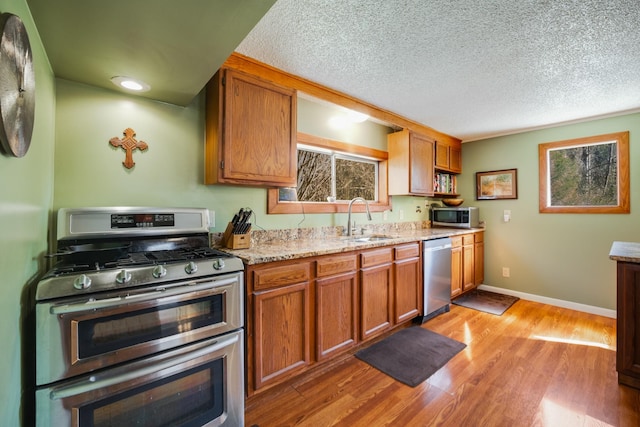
[536, 365]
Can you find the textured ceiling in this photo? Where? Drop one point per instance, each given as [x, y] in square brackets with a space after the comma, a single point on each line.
[472, 69]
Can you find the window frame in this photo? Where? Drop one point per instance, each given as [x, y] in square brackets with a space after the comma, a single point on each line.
[622, 170]
[276, 206]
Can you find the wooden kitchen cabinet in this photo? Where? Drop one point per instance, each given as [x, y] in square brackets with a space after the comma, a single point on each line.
[478, 255]
[376, 292]
[410, 163]
[448, 156]
[336, 305]
[279, 336]
[250, 131]
[628, 324]
[456, 266]
[407, 282]
[467, 262]
[330, 303]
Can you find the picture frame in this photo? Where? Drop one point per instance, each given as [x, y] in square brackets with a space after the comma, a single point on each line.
[497, 185]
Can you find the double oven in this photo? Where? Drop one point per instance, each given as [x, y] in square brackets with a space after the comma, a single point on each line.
[139, 323]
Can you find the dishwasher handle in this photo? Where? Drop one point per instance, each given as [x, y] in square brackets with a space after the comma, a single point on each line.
[437, 248]
[434, 245]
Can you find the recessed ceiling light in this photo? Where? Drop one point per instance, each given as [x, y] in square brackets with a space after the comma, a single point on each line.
[130, 84]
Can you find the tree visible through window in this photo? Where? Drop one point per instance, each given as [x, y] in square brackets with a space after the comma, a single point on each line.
[586, 175]
[323, 174]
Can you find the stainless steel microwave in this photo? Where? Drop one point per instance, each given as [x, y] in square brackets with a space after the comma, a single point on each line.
[460, 217]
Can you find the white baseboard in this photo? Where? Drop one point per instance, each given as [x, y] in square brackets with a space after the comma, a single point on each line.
[552, 301]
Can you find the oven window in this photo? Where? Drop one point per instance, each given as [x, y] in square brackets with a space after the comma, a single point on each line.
[190, 398]
[101, 335]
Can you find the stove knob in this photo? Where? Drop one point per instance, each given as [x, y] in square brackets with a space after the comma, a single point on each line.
[218, 264]
[159, 271]
[82, 282]
[123, 277]
[191, 268]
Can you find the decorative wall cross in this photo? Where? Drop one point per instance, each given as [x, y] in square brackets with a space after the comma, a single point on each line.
[128, 144]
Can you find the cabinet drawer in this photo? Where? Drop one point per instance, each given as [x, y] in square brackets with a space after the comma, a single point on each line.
[408, 251]
[336, 264]
[456, 241]
[376, 257]
[274, 277]
[467, 239]
[479, 237]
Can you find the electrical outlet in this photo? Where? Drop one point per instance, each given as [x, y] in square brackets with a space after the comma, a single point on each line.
[506, 272]
[212, 219]
[507, 215]
[385, 215]
[401, 214]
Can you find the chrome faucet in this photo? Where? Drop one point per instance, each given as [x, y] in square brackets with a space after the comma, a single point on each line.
[355, 199]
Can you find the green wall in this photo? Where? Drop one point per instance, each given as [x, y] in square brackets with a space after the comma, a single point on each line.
[561, 256]
[89, 172]
[25, 204]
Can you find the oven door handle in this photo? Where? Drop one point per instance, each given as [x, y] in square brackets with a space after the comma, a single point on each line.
[158, 294]
[94, 382]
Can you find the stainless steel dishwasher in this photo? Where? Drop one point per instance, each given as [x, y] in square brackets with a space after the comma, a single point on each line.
[436, 276]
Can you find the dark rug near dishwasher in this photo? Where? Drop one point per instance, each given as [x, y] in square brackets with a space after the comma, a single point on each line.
[489, 302]
[411, 355]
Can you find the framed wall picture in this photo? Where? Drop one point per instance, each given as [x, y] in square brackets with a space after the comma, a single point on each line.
[497, 185]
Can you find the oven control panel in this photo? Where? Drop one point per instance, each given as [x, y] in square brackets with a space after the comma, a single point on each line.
[142, 220]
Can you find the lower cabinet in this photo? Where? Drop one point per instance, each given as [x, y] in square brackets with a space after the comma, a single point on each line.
[478, 256]
[408, 282]
[376, 292]
[336, 305]
[329, 304]
[628, 324]
[467, 262]
[279, 333]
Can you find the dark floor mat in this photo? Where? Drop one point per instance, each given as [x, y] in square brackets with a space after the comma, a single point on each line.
[411, 355]
[488, 302]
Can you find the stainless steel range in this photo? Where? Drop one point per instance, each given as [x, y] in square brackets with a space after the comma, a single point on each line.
[139, 323]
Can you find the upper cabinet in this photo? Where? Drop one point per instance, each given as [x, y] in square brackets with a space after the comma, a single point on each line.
[251, 128]
[448, 157]
[250, 131]
[410, 163]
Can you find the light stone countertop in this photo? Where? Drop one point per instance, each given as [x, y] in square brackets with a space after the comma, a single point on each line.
[625, 251]
[279, 249]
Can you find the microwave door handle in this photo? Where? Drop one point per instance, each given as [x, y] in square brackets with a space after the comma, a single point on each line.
[91, 383]
[91, 305]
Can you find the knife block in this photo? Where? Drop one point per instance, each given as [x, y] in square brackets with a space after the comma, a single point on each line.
[236, 241]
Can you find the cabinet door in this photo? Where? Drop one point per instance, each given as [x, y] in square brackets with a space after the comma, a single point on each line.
[336, 314]
[628, 324]
[478, 254]
[376, 300]
[455, 158]
[408, 288]
[456, 271]
[448, 156]
[441, 160]
[281, 339]
[468, 263]
[421, 165]
[410, 164]
[256, 130]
